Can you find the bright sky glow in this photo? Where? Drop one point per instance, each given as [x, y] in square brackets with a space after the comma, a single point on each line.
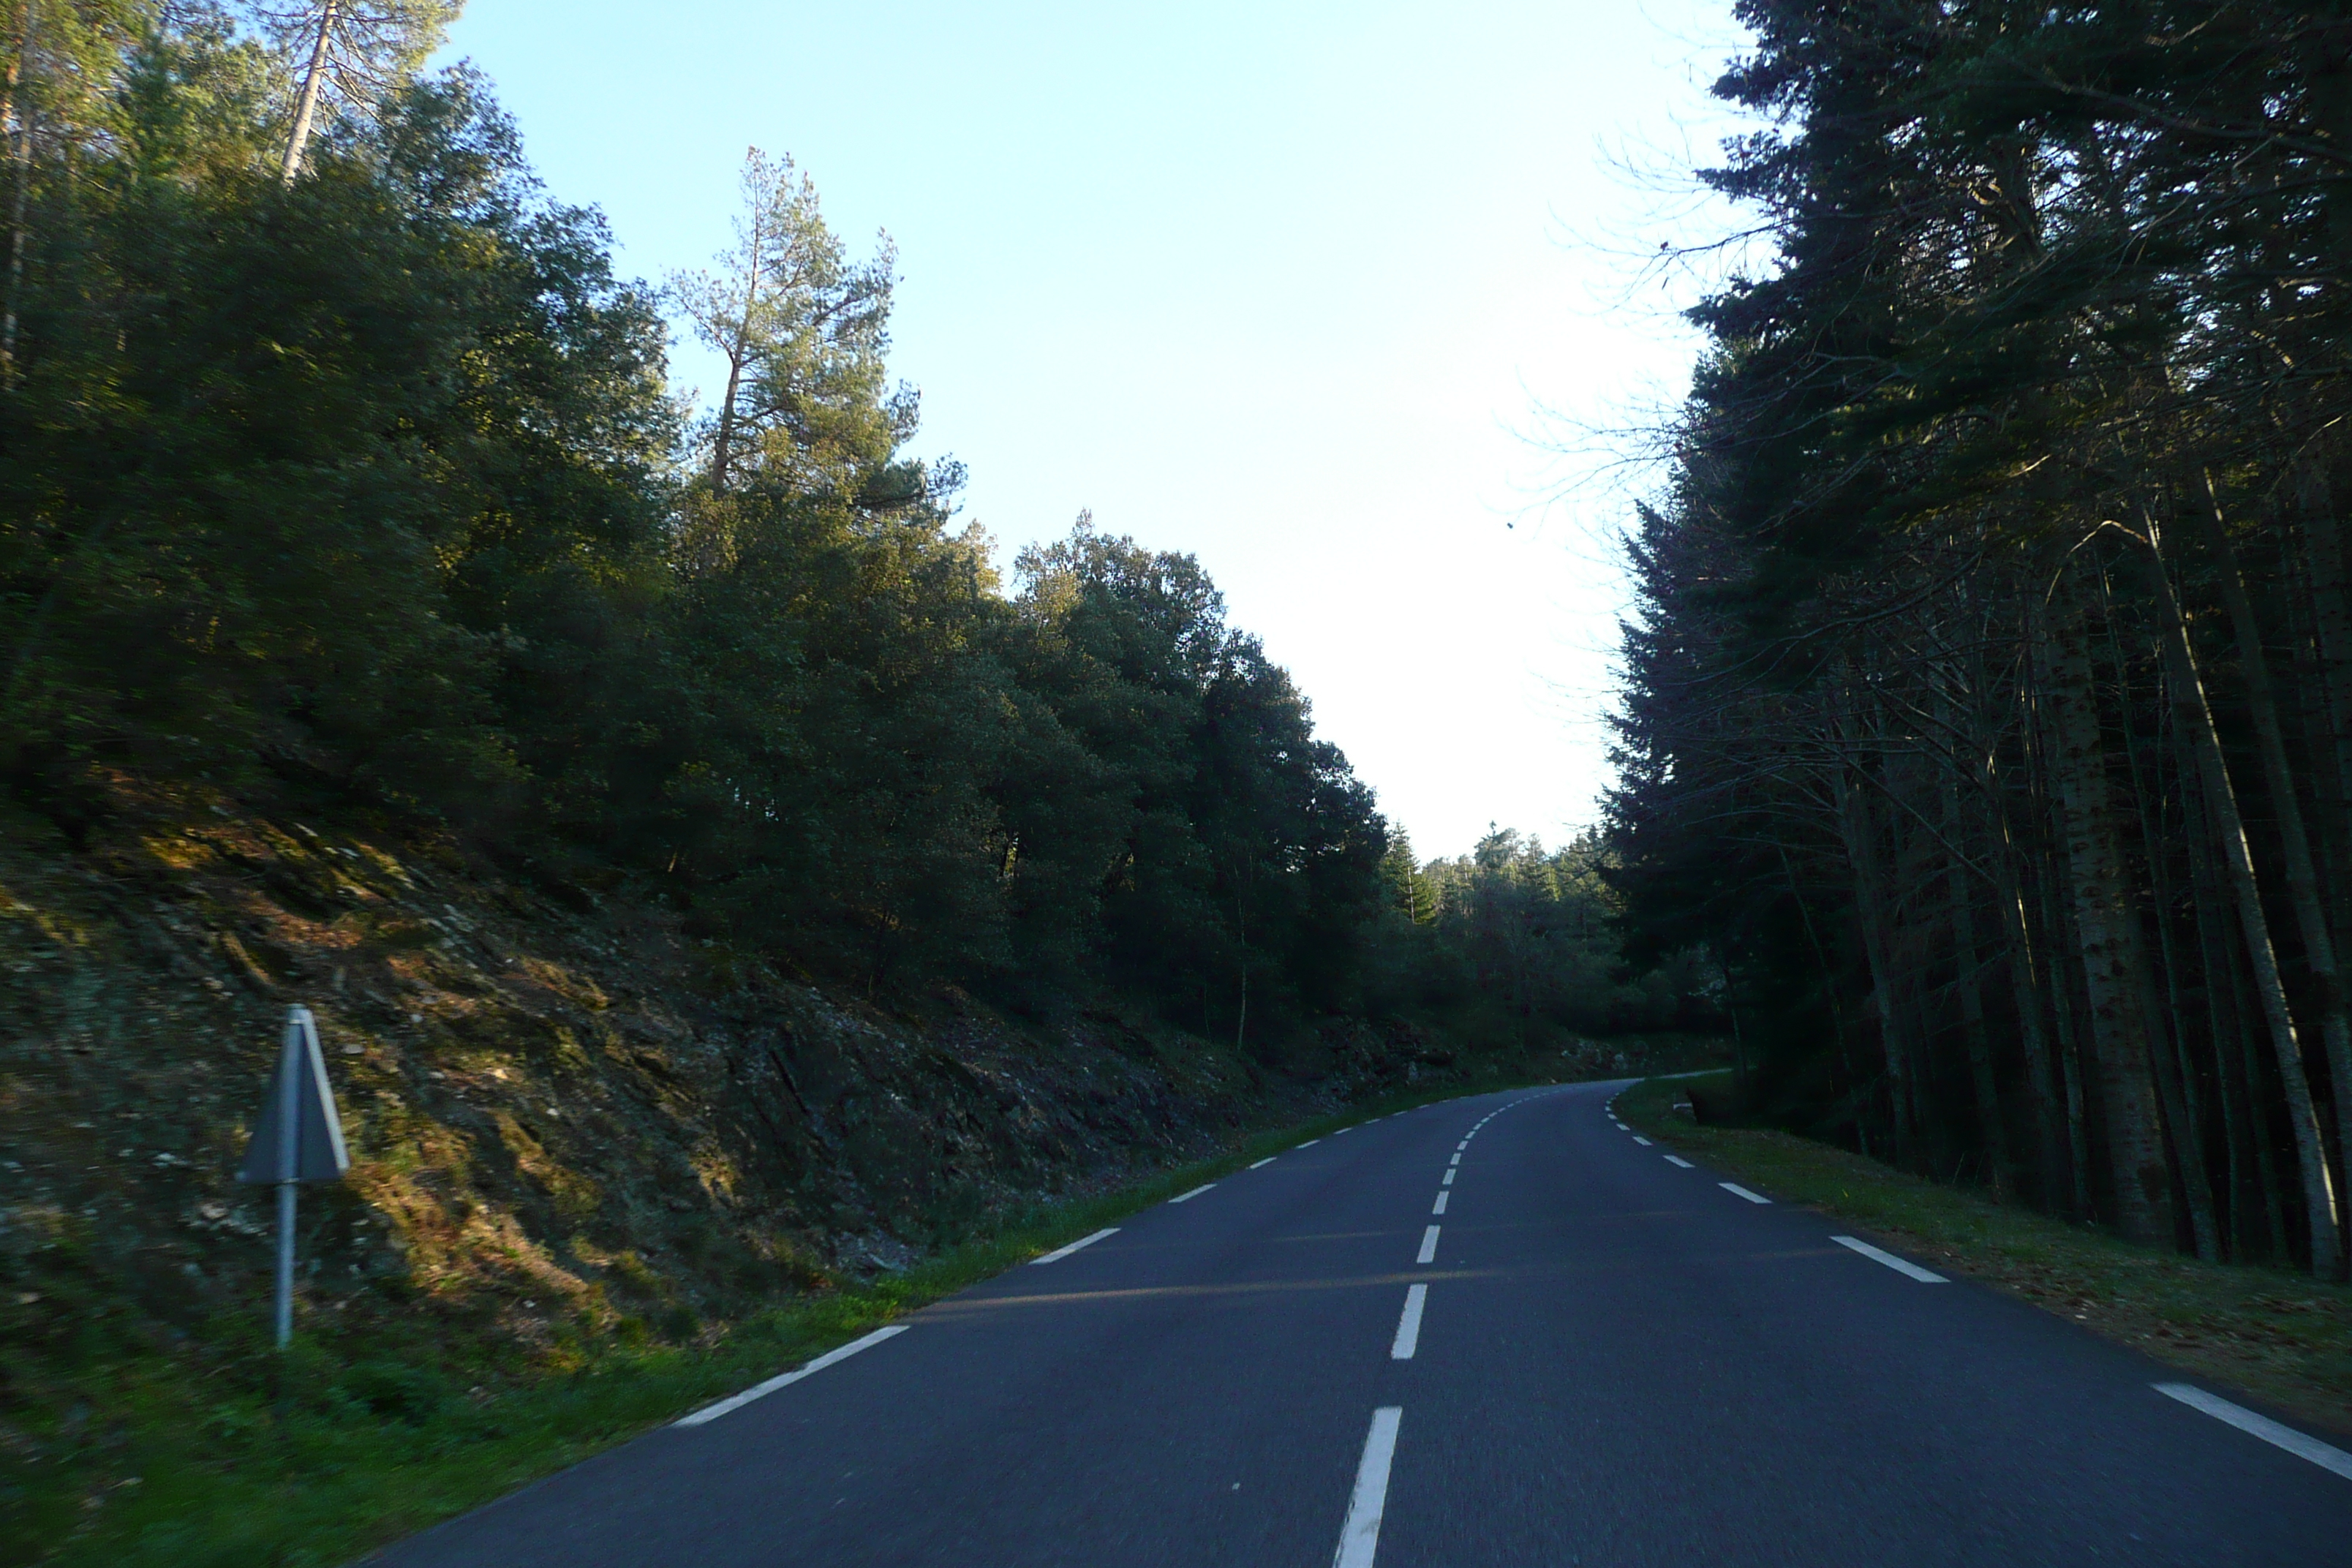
[1281, 285]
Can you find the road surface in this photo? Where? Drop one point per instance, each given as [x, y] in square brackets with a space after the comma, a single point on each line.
[1499, 1331]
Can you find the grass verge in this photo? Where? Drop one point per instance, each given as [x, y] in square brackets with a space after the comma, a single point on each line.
[2284, 1338]
[349, 1456]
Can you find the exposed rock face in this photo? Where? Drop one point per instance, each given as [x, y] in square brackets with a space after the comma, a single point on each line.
[564, 1116]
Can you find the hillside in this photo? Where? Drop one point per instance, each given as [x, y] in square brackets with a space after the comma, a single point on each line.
[565, 1116]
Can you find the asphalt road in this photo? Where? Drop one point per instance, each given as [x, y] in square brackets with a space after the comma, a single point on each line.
[1609, 1358]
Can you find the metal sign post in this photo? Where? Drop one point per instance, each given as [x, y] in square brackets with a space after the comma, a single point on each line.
[298, 1139]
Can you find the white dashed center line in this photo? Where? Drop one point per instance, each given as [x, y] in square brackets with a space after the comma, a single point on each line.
[1900, 1265]
[1448, 1181]
[1428, 1246]
[1196, 1191]
[1457, 1158]
[1310, 1143]
[1441, 1202]
[1736, 1190]
[1360, 1538]
[1407, 1334]
[1678, 1159]
[1645, 1143]
[1267, 1161]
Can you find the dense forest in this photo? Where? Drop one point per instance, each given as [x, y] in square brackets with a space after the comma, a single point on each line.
[1989, 695]
[1512, 946]
[338, 467]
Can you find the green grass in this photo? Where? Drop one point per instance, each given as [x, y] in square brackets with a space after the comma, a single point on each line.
[2283, 1338]
[350, 1455]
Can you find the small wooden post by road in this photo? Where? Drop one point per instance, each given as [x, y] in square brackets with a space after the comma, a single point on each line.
[298, 1139]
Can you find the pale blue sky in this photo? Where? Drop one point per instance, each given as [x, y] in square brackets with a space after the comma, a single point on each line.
[1278, 284]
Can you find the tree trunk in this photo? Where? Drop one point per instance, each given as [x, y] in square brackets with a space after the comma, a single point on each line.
[2226, 1023]
[2105, 932]
[2167, 1044]
[1241, 940]
[2266, 1171]
[20, 119]
[2286, 807]
[314, 81]
[1871, 905]
[2025, 987]
[1240, 1017]
[738, 354]
[2307, 680]
[2194, 716]
[2056, 964]
[2331, 622]
[2331, 614]
[723, 441]
[2331, 789]
[2064, 951]
[2026, 983]
[2176, 1073]
[1969, 978]
[1843, 1060]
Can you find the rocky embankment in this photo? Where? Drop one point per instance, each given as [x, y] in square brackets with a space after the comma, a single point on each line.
[567, 1117]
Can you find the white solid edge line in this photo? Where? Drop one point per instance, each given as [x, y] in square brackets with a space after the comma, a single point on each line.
[1359, 1537]
[1407, 1334]
[1441, 1196]
[1678, 1159]
[2271, 1432]
[1196, 1191]
[1645, 1143]
[1900, 1265]
[713, 1412]
[1428, 1246]
[1061, 1252]
[1736, 1190]
[1267, 1161]
[1449, 1178]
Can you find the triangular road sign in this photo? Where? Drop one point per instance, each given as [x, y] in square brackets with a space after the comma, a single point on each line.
[302, 1103]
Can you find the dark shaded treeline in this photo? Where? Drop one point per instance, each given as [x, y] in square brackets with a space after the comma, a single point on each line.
[1991, 696]
[1513, 946]
[337, 469]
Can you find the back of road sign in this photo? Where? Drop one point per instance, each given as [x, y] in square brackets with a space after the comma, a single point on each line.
[318, 1144]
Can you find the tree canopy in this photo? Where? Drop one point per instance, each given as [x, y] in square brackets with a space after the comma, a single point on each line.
[355, 474]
